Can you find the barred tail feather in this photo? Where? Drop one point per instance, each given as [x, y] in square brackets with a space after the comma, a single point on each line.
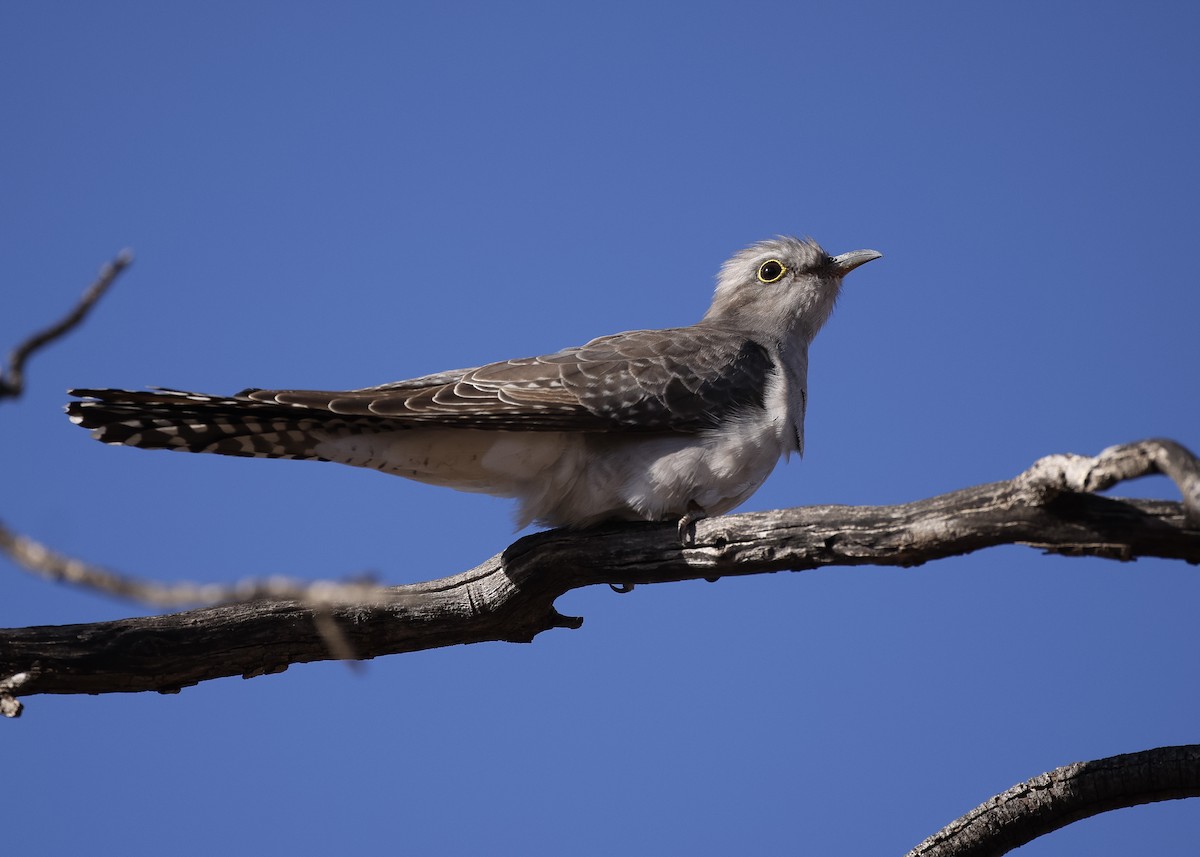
[193, 422]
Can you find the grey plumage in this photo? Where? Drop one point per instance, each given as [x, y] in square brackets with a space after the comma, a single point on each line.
[650, 424]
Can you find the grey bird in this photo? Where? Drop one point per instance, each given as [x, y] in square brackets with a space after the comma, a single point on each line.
[654, 425]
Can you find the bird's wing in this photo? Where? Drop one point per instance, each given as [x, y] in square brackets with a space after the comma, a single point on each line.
[686, 380]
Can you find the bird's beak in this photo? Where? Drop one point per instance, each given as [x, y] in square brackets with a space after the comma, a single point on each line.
[847, 262]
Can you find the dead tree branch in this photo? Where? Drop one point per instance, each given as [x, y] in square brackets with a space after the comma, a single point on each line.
[511, 596]
[1065, 795]
[319, 596]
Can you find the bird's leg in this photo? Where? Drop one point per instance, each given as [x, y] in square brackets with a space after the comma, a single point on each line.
[687, 523]
[686, 528]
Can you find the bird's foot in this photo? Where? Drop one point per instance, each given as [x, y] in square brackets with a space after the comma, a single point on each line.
[687, 523]
[686, 530]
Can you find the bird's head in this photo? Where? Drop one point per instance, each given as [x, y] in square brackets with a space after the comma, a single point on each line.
[782, 288]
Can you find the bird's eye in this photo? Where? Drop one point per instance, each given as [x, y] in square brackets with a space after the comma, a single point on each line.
[771, 271]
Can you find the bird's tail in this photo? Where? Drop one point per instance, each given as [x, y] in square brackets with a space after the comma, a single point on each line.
[194, 422]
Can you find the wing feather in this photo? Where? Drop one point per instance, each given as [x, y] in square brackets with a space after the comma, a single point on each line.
[683, 380]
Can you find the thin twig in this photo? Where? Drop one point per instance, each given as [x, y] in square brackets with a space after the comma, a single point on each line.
[41, 561]
[12, 379]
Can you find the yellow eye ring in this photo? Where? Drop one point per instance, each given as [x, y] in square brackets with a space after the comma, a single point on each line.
[771, 271]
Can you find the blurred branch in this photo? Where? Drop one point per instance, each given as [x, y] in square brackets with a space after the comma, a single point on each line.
[1065, 795]
[43, 562]
[12, 378]
[511, 596]
[319, 596]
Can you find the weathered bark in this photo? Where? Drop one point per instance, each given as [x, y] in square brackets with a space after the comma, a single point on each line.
[511, 596]
[1065, 795]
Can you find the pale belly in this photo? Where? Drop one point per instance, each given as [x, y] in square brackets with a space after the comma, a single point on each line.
[573, 478]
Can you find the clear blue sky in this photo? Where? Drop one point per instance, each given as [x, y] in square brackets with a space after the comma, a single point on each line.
[337, 195]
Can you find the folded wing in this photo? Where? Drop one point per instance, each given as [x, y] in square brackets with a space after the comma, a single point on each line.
[682, 380]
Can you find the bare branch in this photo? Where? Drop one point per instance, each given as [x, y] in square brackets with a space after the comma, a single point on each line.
[43, 562]
[12, 379]
[511, 596]
[1055, 474]
[318, 597]
[1065, 795]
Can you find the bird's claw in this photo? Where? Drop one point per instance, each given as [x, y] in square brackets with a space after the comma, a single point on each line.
[687, 524]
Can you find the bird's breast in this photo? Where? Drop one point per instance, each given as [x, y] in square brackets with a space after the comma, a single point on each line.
[787, 399]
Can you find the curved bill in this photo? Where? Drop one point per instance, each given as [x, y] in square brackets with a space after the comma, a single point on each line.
[847, 262]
